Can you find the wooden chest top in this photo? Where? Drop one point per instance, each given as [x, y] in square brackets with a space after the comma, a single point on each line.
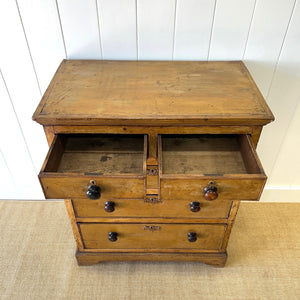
[156, 93]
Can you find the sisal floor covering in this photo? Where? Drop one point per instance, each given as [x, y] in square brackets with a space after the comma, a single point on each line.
[37, 260]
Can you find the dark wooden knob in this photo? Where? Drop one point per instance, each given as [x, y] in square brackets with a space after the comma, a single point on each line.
[109, 206]
[210, 192]
[93, 192]
[195, 206]
[192, 237]
[112, 236]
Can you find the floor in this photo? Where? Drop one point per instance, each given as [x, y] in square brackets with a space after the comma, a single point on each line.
[37, 260]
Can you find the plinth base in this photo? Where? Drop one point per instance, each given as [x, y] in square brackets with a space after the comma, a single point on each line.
[91, 258]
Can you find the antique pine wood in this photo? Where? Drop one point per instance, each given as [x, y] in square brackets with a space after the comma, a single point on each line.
[112, 124]
[152, 93]
[110, 155]
[163, 238]
[152, 220]
[49, 132]
[141, 208]
[213, 259]
[235, 188]
[69, 186]
[72, 218]
[230, 162]
[231, 218]
[212, 154]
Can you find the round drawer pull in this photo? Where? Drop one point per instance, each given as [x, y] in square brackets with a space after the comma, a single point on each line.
[109, 206]
[210, 192]
[93, 191]
[112, 236]
[195, 206]
[192, 237]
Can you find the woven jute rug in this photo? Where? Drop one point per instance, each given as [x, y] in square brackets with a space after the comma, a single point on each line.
[37, 260]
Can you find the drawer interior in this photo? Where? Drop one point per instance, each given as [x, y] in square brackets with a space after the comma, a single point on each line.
[208, 154]
[97, 154]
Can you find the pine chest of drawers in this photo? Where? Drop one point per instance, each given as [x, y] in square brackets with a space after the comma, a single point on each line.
[152, 158]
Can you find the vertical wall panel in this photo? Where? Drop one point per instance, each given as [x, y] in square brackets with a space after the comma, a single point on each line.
[283, 98]
[265, 40]
[230, 29]
[42, 28]
[19, 179]
[6, 179]
[193, 29]
[155, 29]
[118, 29]
[286, 171]
[80, 28]
[19, 75]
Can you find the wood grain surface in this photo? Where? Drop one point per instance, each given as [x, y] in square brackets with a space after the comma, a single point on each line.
[85, 92]
[116, 163]
[201, 154]
[152, 136]
[70, 186]
[161, 238]
[238, 188]
[138, 208]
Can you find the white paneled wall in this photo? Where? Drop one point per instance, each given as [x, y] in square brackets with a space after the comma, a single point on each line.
[37, 35]
[194, 19]
[266, 38]
[18, 176]
[283, 98]
[42, 28]
[230, 29]
[155, 29]
[80, 27]
[21, 81]
[117, 21]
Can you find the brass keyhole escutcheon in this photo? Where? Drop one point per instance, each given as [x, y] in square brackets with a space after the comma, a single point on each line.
[152, 171]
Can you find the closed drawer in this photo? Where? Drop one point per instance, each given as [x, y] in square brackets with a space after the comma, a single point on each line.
[115, 163]
[139, 208]
[196, 167]
[160, 237]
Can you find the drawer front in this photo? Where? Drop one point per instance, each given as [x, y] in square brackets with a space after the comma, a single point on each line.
[140, 208]
[227, 189]
[57, 187]
[196, 167]
[152, 236]
[115, 163]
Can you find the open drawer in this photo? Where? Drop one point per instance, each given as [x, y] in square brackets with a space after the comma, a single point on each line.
[95, 165]
[223, 167]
